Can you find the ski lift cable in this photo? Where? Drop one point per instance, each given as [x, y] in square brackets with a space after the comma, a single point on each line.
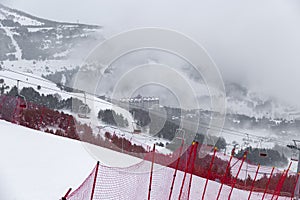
[28, 75]
[203, 125]
[44, 80]
[55, 90]
[228, 131]
[235, 131]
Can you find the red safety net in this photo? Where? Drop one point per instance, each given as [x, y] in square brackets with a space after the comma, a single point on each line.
[84, 191]
[131, 183]
[268, 183]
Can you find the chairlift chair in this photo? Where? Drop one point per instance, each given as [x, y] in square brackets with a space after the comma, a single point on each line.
[136, 129]
[262, 151]
[21, 102]
[83, 111]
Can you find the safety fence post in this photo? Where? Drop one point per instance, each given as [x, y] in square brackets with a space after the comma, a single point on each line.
[294, 188]
[186, 169]
[209, 171]
[268, 183]
[151, 172]
[252, 186]
[280, 183]
[95, 179]
[67, 194]
[176, 169]
[237, 175]
[192, 170]
[223, 179]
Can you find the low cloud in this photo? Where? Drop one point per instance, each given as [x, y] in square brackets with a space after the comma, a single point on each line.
[253, 42]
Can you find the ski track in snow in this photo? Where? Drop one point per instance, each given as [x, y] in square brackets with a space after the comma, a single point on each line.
[18, 53]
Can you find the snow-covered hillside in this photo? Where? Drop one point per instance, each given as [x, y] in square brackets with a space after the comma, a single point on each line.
[47, 87]
[25, 37]
[35, 165]
[43, 47]
[95, 104]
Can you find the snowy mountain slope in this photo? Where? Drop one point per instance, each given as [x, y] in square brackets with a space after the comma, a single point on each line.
[35, 165]
[43, 47]
[95, 104]
[47, 87]
[19, 17]
[31, 38]
[30, 80]
[26, 19]
[41, 67]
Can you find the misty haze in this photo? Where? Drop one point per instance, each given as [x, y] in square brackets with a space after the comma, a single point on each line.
[212, 95]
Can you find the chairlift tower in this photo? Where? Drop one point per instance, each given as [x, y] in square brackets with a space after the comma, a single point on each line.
[295, 147]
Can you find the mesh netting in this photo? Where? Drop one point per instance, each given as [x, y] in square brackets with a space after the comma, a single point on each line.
[85, 189]
[132, 183]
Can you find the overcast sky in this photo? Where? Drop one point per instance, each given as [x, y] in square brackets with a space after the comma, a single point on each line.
[256, 42]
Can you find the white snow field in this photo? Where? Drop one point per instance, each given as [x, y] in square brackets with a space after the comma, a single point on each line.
[39, 166]
[36, 165]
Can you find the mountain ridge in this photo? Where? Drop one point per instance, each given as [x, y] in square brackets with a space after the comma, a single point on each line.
[46, 21]
[26, 37]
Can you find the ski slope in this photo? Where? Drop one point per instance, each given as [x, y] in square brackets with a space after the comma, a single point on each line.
[35, 165]
[95, 104]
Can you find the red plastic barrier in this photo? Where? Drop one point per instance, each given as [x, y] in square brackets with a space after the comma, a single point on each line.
[209, 171]
[252, 186]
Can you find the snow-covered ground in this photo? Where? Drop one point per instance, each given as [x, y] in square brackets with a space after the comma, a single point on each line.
[42, 67]
[96, 104]
[10, 34]
[35, 165]
[23, 20]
